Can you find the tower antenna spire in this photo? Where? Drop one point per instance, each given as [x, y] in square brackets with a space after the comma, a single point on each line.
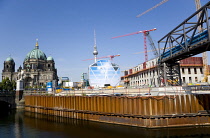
[95, 52]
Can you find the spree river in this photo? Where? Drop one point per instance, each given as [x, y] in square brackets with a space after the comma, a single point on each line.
[21, 124]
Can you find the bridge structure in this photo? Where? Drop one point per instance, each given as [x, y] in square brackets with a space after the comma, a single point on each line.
[189, 38]
[7, 100]
[10, 100]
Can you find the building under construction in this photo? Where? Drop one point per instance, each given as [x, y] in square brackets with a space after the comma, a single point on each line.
[104, 73]
[146, 74]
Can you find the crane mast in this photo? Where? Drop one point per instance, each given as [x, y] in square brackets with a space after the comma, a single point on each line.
[146, 34]
[204, 54]
[153, 48]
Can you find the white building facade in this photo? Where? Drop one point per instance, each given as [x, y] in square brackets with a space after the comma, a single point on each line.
[146, 74]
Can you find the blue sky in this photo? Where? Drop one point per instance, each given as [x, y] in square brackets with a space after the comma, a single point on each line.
[65, 29]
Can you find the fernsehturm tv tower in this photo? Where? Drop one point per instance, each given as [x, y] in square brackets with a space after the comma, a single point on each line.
[95, 52]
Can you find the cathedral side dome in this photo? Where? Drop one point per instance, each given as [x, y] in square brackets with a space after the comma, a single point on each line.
[36, 54]
[50, 58]
[9, 59]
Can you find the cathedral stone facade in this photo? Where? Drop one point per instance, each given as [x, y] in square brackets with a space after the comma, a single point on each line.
[37, 69]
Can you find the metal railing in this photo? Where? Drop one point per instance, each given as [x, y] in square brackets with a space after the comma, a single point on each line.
[7, 93]
[153, 91]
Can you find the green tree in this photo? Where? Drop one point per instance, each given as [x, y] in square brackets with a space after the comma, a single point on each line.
[1, 86]
[44, 86]
[13, 84]
[8, 85]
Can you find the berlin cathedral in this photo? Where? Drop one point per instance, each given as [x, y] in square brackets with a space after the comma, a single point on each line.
[37, 69]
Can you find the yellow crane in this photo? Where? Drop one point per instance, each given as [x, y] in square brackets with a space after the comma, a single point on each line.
[152, 8]
[204, 54]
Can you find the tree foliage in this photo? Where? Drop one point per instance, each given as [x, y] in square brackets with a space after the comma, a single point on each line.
[7, 85]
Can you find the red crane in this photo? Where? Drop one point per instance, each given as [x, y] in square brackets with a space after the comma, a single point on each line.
[145, 32]
[110, 56]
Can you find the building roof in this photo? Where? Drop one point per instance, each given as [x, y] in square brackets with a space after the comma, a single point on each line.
[192, 61]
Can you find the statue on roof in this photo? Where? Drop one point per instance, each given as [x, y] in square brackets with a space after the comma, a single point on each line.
[21, 75]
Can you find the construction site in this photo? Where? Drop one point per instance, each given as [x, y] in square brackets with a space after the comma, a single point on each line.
[168, 91]
[174, 62]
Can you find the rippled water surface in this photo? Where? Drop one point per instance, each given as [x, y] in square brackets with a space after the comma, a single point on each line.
[20, 124]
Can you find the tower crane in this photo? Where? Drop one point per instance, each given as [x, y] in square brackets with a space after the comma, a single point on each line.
[155, 52]
[109, 56]
[204, 54]
[146, 34]
[152, 8]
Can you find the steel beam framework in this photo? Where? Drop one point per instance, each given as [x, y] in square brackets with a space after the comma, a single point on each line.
[182, 42]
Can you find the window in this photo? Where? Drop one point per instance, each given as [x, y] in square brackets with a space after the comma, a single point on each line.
[183, 79]
[201, 70]
[196, 79]
[182, 70]
[195, 71]
[190, 79]
[189, 71]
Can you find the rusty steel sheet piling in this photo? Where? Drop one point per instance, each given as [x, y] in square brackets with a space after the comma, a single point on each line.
[150, 111]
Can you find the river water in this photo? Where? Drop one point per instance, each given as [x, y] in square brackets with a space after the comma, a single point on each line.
[21, 124]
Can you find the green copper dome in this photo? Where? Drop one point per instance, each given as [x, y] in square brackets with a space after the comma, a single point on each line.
[50, 58]
[9, 59]
[36, 54]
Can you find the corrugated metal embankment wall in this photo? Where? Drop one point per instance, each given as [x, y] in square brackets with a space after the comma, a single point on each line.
[159, 111]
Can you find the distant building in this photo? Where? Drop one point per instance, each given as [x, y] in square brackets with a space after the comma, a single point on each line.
[37, 69]
[62, 80]
[84, 77]
[146, 74]
[84, 80]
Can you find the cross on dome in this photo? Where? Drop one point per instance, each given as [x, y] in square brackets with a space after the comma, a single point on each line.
[37, 44]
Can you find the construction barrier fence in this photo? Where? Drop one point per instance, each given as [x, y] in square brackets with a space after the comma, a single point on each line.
[150, 111]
